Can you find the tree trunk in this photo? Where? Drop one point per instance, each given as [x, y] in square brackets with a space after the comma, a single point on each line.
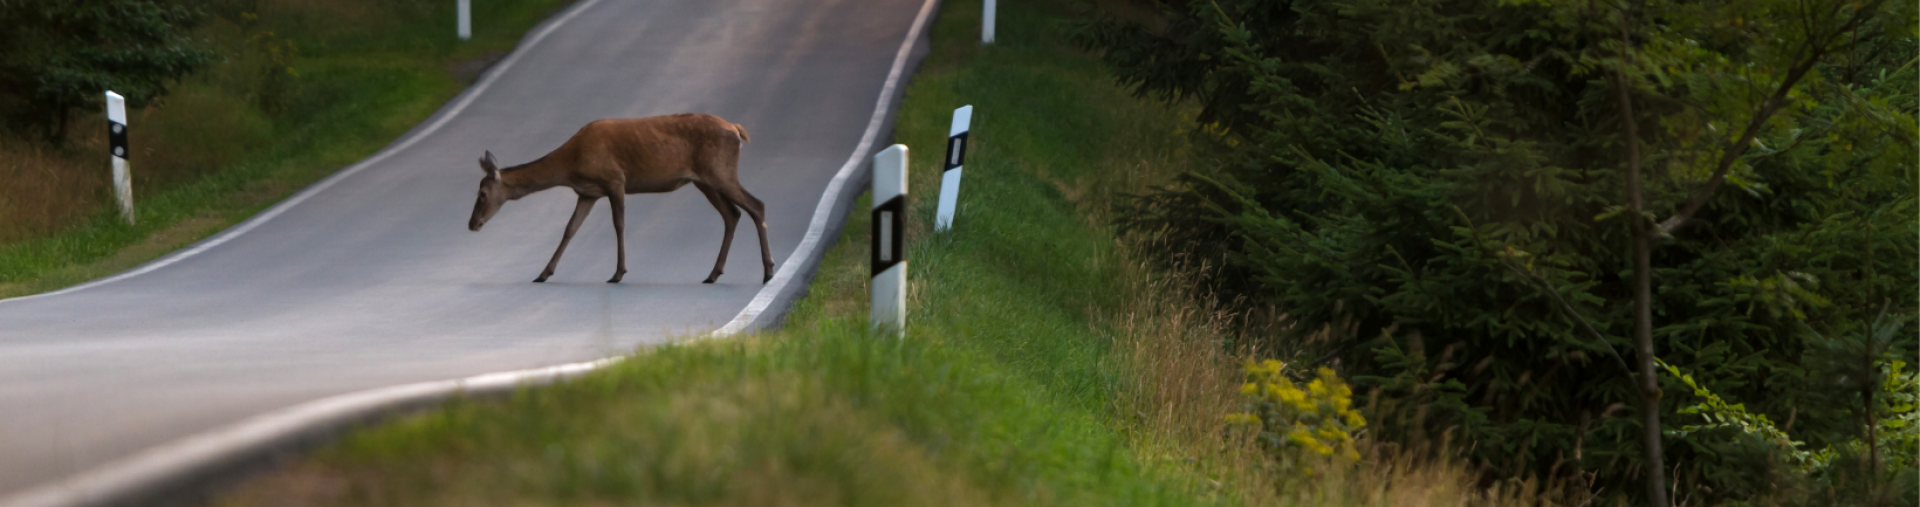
[1873, 436]
[57, 133]
[1642, 292]
[1873, 331]
[1643, 329]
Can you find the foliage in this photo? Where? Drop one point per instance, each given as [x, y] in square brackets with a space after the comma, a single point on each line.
[1729, 425]
[1318, 417]
[1902, 422]
[1453, 172]
[277, 75]
[1723, 415]
[65, 54]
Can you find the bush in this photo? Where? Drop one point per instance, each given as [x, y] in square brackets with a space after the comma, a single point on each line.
[1285, 417]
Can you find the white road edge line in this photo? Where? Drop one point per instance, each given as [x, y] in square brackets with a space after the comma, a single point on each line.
[182, 459]
[823, 213]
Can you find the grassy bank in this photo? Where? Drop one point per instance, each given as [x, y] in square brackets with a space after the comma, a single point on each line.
[1002, 392]
[304, 89]
[1042, 364]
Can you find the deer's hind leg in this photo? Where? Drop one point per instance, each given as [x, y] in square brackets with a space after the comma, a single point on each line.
[580, 209]
[758, 212]
[618, 199]
[730, 216]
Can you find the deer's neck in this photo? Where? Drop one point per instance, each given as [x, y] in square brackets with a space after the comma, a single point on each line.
[532, 177]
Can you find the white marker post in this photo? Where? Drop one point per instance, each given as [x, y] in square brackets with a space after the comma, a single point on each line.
[117, 145]
[986, 23]
[466, 19]
[950, 178]
[889, 241]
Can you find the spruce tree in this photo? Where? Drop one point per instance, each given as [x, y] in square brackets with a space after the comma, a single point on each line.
[1506, 211]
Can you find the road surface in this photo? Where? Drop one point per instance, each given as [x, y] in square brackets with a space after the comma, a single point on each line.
[375, 280]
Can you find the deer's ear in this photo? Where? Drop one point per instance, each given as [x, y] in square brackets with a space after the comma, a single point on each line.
[487, 164]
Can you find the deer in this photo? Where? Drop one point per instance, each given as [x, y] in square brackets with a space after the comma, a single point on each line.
[611, 158]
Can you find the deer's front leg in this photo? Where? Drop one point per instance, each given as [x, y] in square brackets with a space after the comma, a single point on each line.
[580, 209]
[619, 201]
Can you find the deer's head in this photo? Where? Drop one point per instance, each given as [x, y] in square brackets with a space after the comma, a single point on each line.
[493, 193]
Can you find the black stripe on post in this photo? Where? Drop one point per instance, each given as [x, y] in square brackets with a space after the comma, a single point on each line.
[117, 139]
[887, 249]
[956, 151]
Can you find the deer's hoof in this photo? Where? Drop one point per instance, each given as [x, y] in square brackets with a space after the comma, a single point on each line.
[540, 280]
[768, 278]
[710, 279]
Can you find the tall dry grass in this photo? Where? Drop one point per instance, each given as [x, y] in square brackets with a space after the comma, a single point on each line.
[278, 58]
[1183, 352]
[198, 130]
[43, 187]
[1184, 367]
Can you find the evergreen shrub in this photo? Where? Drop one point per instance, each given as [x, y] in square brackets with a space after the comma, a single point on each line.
[1440, 187]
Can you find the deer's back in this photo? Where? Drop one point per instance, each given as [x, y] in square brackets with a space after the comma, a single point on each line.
[659, 153]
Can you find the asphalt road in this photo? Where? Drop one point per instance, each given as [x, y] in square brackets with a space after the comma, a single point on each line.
[375, 280]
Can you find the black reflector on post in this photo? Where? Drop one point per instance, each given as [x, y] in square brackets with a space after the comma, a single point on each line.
[887, 249]
[117, 139]
[956, 150]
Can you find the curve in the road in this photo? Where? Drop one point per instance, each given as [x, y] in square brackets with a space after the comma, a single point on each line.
[460, 103]
[182, 461]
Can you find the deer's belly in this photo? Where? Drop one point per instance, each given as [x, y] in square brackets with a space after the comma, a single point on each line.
[656, 186]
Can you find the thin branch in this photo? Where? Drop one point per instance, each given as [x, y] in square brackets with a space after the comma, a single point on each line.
[1739, 147]
[1815, 50]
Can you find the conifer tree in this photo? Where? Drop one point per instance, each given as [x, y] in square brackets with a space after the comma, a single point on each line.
[1508, 210]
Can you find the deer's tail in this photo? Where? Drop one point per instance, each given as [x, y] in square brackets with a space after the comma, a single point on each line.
[737, 129]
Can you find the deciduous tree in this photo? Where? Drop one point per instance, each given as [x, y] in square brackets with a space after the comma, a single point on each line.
[59, 55]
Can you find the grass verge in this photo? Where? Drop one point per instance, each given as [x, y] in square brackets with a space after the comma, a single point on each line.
[306, 87]
[1000, 394]
[1042, 364]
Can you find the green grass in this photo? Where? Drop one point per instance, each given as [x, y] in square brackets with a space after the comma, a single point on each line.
[1005, 390]
[227, 142]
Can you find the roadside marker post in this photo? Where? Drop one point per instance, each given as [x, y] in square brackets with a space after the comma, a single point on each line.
[117, 146]
[889, 240]
[466, 19]
[957, 139]
[986, 22]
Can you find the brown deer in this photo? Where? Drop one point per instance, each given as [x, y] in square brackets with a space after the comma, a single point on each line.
[615, 157]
